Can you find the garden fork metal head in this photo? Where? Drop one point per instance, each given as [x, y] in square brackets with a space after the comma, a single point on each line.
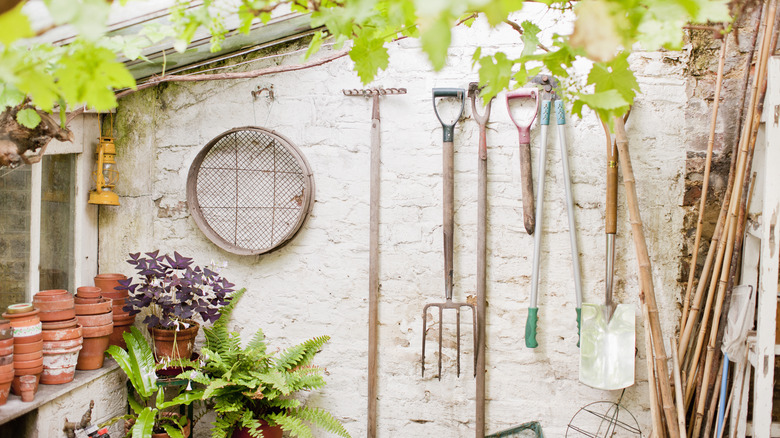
[448, 227]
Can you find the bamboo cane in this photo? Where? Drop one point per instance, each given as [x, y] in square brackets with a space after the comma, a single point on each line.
[706, 181]
[646, 277]
[714, 400]
[695, 402]
[678, 390]
[651, 380]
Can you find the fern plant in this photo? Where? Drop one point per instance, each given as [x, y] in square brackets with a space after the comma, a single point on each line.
[148, 400]
[250, 384]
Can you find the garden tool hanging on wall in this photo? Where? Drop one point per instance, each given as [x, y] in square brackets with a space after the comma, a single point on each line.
[550, 99]
[448, 226]
[608, 332]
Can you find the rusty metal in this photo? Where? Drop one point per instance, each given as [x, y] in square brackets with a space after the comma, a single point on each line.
[259, 91]
[368, 92]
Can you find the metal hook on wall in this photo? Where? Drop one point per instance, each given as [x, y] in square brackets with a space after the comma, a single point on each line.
[259, 91]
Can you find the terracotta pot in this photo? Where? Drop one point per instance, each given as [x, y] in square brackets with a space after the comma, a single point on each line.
[93, 353]
[20, 365]
[52, 295]
[107, 282]
[4, 324]
[27, 357]
[102, 306]
[60, 315]
[5, 351]
[268, 431]
[6, 376]
[23, 318]
[62, 334]
[25, 335]
[28, 348]
[57, 325]
[59, 366]
[6, 359]
[88, 292]
[16, 383]
[97, 331]
[49, 346]
[45, 304]
[17, 309]
[28, 385]
[5, 389]
[122, 324]
[118, 297]
[119, 309]
[174, 344]
[7, 368]
[95, 320]
[78, 300]
[6, 333]
[28, 339]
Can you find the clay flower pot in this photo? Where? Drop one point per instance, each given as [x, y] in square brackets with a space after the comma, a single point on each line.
[7, 368]
[58, 325]
[28, 385]
[21, 365]
[16, 384]
[59, 366]
[7, 347]
[59, 315]
[22, 319]
[16, 309]
[93, 353]
[88, 292]
[96, 320]
[52, 295]
[28, 348]
[122, 324]
[49, 346]
[103, 305]
[62, 334]
[5, 389]
[28, 334]
[173, 344]
[107, 282]
[6, 333]
[79, 300]
[97, 331]
[6, 360]
[268, 431]
[4, 324]
[27, 357]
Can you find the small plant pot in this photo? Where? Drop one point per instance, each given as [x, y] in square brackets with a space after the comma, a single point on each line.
[7, 367]
[6, 360]
[122, 325]
[50, 304]
[62, 334]
[89, 292]
[5, 351]
[16, 384]
[28, 348]
[268, 431]
[52, 295]
[78, 300]
[93, 353]
[28, 334]
[14, 310]
[28, 385]
[7, 376]
[108, 281]
[22, 319]
[118, 297]
[173, 344]
[27, 357]
[98, 331]
[4, 323]
[59, 315]
[7, 332]
[21, 365]
[49, 346]
[59, 366]
[57, 325]
[102, 306]
[5, 389]
[96, 320]
[119, 310]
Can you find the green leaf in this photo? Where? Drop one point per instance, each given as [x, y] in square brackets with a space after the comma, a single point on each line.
[144, 423]
[314, 45]
[369, 57]
[436, 39]
[173, 431]
[10, 96]
[15, 25]
[495, 72]
[530, 37]
[497, 11]
[596, 29]
[558, 61]
[28, 118]
[615, 75]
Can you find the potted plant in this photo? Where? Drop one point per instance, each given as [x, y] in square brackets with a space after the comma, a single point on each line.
[148, 399]
[174, 293]
[252, 388]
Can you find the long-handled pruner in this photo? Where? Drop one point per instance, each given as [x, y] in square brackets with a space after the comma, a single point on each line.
[479, 368]
[448, 227]
[549, 83]
[524, 129]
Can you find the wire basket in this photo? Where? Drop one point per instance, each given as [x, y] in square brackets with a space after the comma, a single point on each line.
[532, 429]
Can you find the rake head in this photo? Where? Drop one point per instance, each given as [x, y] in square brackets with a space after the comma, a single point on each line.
[449, 304]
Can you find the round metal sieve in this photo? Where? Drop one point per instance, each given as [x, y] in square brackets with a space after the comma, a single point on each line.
[249, 190]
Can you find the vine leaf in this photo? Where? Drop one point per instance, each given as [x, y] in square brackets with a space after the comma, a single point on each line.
[28, 118]
[15, 25]
[595, 30]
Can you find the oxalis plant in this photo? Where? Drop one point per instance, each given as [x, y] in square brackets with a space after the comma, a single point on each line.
[174, 291]
[247, 385]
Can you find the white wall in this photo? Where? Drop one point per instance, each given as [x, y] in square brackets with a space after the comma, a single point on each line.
[318, 285]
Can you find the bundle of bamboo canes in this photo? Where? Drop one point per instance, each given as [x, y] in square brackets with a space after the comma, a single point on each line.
[689, 410]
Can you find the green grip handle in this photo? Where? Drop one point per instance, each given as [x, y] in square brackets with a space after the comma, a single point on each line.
[530, 328]
[579, 319]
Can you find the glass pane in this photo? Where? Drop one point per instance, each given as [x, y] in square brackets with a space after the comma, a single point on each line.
[14, 234]
[57, 208]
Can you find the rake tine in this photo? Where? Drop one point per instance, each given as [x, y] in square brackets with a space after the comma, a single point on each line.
[425, 325]
[457, 321]
[441, 329]
[475, 335]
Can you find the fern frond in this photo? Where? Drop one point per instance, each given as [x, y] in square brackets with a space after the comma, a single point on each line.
[257, 343]
[284, 403]
[301, 354]
[291, 424]
[253, 425]
[321, 418]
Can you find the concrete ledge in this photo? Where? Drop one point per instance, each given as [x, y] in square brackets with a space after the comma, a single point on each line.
[15, 407]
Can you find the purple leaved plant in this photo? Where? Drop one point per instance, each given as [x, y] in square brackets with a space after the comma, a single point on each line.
[174, 291]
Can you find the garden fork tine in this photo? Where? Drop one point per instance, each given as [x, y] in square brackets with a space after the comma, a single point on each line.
[448, 228]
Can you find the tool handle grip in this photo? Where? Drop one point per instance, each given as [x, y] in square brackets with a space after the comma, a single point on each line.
[448, 130]
[530, 328]
[612, 190]
[579, 325]
[527, 186]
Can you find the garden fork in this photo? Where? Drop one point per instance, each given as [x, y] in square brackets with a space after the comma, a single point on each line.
[448, 228]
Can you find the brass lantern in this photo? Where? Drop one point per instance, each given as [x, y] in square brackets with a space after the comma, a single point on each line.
[106, 174]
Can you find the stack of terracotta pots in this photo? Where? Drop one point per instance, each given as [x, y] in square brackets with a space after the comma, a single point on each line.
[6, 359]
[122, 319]
[61, 336]
[28, 344]
[97, 322]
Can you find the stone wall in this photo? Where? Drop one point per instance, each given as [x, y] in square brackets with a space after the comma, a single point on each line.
[14, 235]
[317, 284]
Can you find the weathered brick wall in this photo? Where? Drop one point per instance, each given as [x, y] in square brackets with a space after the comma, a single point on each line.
[14, 235]
[317, 284]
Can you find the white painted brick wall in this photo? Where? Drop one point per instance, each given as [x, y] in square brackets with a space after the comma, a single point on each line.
[317, 284]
